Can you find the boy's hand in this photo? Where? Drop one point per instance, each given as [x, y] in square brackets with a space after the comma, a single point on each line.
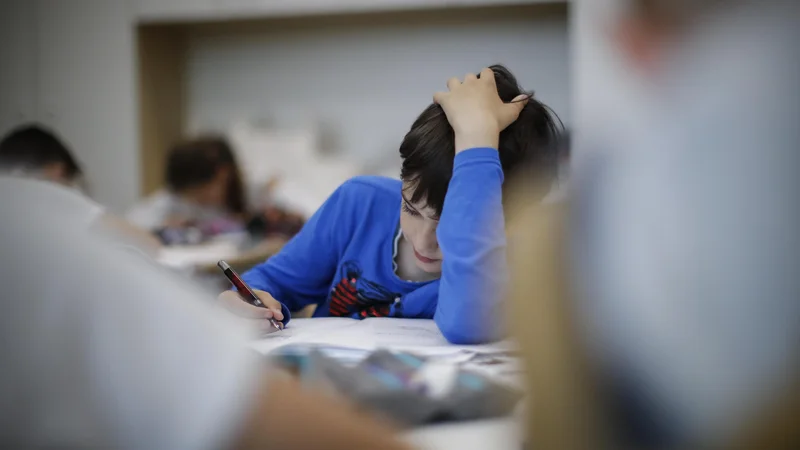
[236, 304]
[475, 111]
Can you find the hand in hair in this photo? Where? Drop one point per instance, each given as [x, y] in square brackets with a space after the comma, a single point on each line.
[475, 110]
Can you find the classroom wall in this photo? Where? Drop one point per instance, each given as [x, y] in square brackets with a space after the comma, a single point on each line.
[368, 77]
[17, 63]
[69, 65]
[86, 74]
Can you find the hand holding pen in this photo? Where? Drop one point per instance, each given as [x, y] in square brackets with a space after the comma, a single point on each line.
[250, 303]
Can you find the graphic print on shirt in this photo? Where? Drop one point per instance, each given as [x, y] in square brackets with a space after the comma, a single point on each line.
[353, 295]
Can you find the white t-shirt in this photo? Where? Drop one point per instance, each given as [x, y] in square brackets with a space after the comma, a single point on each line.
[60, 202]
[154, 211]
[101, 349]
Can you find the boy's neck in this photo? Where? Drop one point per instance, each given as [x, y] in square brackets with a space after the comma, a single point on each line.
[407, 268]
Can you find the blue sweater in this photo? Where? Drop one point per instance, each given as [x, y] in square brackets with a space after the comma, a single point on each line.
[342, 260]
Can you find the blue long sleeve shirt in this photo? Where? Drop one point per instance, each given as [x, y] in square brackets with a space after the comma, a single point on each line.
[343, 259]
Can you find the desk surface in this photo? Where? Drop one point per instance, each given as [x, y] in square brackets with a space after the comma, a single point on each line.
[500, 434]
[203, 258]
[497, 434]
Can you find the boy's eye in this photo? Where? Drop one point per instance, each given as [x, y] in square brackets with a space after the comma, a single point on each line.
[410, 211]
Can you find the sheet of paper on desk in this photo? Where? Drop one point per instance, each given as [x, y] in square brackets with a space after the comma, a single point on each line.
[405, 332]
[305, 331]
[418, 336]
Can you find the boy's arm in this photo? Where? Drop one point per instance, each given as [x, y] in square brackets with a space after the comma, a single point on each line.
[301, 273]
[471, 234]
[471, 230]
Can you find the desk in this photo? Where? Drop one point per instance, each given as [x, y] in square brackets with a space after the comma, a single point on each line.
[499, 434]
[203, 258]
[414, 335]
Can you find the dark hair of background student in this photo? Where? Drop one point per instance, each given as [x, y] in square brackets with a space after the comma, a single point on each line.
[32, 148]
[197, 162]
[428, 149]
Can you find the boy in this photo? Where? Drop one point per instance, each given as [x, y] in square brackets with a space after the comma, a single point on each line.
[433, 245]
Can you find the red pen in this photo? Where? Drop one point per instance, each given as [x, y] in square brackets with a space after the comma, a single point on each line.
[244, 290]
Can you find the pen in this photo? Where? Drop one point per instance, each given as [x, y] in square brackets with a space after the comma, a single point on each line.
[244, 290]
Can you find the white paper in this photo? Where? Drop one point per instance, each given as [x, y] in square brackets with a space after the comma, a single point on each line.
[304, 331]
[390, 332]
[420, 336]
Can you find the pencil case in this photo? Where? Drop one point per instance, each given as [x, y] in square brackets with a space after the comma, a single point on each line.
[407, 388]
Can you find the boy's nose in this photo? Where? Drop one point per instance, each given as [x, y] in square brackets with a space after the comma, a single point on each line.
[428, 241]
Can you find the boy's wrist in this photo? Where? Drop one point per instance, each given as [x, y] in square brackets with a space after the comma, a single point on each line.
[476, 139]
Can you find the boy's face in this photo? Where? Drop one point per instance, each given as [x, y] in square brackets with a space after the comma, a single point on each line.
[419, 223]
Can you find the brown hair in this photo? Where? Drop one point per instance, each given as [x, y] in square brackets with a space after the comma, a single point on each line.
[196, 162]
[32, 147]
[428, 150]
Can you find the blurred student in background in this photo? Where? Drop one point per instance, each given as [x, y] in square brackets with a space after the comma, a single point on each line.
[203, 189]
[40, 168]
[671, 317]
[101, 349]
[32, 151]
[430, 246]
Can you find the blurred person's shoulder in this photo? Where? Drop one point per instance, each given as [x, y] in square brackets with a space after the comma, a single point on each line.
[153, 210]
[59, 203]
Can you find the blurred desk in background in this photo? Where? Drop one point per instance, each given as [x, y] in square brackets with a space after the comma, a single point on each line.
[202, 259]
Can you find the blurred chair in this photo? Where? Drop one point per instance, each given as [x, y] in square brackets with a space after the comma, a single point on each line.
[564, 410]
[569, 407]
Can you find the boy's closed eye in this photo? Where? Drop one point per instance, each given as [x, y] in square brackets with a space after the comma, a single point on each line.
[414, 212]
[408, 209]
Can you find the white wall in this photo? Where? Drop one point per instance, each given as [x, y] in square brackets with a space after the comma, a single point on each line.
[70, 66]
[86, 84]
[17, 63]
[369, 78]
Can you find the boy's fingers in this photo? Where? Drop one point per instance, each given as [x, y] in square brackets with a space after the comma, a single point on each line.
[521, 98]
[267, 299]
[470, 77]
[487, 75]
[237, 305]
[263, 326]
[453, 83]
[439, 97]
[510, 111]
[277, 313]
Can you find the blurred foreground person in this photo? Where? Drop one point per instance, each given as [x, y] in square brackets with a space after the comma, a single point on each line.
[35, 152]
[102, 350]
[671, 318]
